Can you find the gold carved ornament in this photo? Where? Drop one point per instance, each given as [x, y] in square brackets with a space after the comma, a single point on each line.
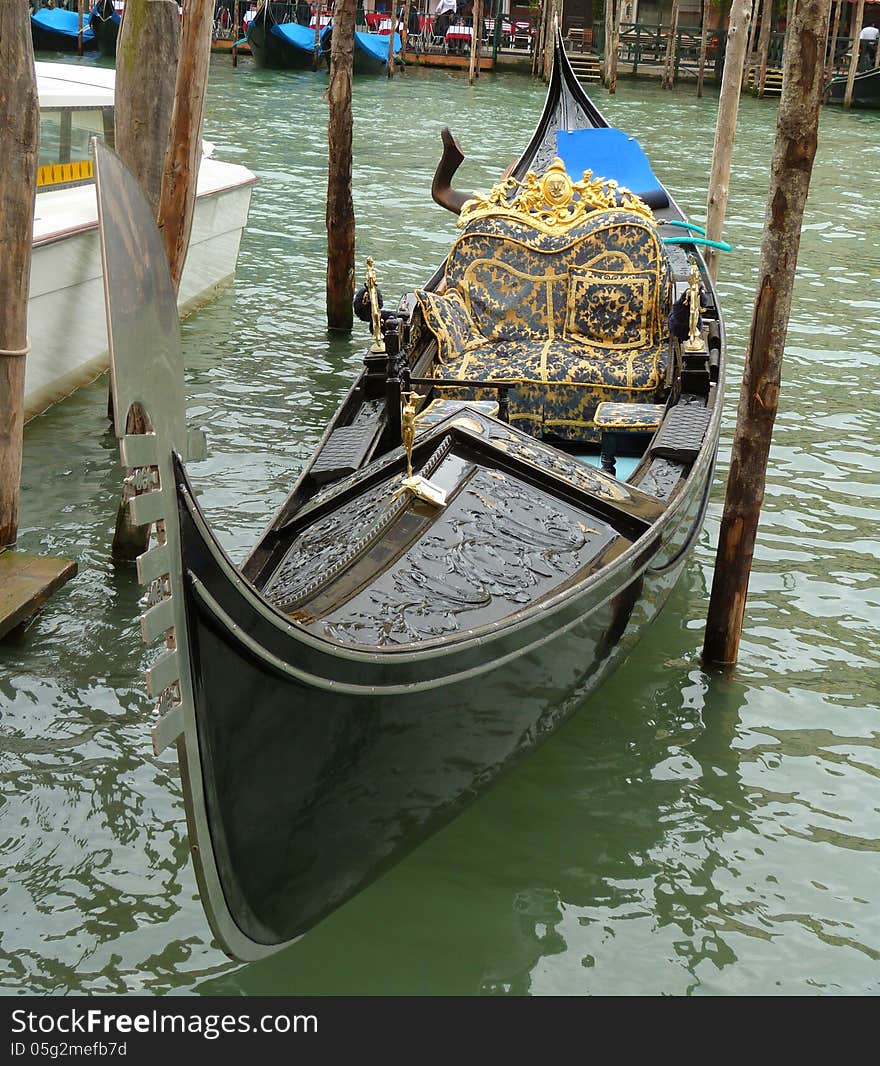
[694, 342]
[414, 485]
[372, 287]
[553, 202]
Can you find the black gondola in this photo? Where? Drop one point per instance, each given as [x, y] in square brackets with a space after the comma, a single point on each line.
[394, 643]
[278, 42]
[866, 89]
[104, 22]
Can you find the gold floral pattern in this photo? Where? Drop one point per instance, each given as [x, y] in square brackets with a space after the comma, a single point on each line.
[574, 313]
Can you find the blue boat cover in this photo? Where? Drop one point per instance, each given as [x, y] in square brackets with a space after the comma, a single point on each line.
[376, 44]
[611, 153]
[301, 37]
[65, 23]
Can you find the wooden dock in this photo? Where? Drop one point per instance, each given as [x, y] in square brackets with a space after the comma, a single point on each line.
[26, 582]
[222, 46]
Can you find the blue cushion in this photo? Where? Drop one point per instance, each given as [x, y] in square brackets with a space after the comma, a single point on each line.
[611, 153]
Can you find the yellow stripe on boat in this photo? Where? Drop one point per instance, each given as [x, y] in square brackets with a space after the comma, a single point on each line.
[64, 173]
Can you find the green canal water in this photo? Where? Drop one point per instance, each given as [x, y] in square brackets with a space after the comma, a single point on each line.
[684, 833]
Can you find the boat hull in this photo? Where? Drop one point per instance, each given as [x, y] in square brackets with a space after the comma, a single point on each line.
[106, 31]
[866, 89]
[273, 52]
[58, 31]
[66, 322]
[355, 759]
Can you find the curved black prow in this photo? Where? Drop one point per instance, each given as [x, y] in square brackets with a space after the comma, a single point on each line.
[441, 187]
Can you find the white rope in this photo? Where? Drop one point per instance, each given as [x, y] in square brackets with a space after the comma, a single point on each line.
[19, 351]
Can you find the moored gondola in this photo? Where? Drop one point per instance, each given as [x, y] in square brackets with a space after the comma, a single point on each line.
[282, 45]
[57, 30]
[462, 560]
[104, 22]
[866, 89]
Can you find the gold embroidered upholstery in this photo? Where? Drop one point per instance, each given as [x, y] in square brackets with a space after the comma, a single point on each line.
[563, 290]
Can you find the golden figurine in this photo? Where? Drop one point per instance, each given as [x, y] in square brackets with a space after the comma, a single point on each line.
[408, 427]
[414, 484]
[372, 284]
[694, 342]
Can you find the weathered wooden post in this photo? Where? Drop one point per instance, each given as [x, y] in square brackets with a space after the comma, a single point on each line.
[538, 54]
[750, 45]
[854, 57]
[615, 46]
[146, 67]
[832, 42]
[474, 66]
[340, 205]
[704, 47]
[764, 46]
[184, 151]
[668, 78]
[19, 145]
[81, 11]
[793, 154]
[609, 41]
[26, 581]
[389, 66]
[404, 30]
[725, 128]
[317, 45]
[554, 15]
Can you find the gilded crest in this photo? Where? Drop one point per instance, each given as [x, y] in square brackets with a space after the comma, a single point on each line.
[553, 202]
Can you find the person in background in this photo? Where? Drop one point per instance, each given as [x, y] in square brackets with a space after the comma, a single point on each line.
[868, 46]
[360, 16]
[303, 12]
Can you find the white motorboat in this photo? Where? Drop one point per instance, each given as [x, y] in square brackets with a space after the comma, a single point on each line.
[66, 320]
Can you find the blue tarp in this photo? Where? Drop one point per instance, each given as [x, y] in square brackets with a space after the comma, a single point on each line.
[611, 153]
[301, 37]
[64, 23]
[376, 44]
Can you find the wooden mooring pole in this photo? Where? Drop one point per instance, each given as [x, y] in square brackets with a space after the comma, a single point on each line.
[704, 47]
[19, 147]
[146, 69]
[764, 46]
[184, 151]
[855, 29]
[615, 46]
[26, 581]
[474, 66]
[797, 128]
[389, 66]
[831, 60]
[667, 80]
[340, 203]
[609, 41]
[81, 11]
[750, 44]
[725, 129]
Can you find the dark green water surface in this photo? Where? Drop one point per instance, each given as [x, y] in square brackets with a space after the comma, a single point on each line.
[684, 833]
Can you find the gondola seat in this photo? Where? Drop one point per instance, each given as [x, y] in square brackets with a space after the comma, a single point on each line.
[572, 310]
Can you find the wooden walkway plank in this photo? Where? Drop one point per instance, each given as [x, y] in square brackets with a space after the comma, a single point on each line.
[26, 583]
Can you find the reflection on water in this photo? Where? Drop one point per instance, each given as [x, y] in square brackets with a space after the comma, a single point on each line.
[685, 832]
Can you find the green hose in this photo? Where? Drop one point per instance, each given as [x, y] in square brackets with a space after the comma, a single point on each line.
[722, 246]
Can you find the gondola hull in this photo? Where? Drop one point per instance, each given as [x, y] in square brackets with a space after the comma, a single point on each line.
[57, 30]
[358, 774]
[866, 89]
[383, 656]
[104, 22]
[273, 50]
